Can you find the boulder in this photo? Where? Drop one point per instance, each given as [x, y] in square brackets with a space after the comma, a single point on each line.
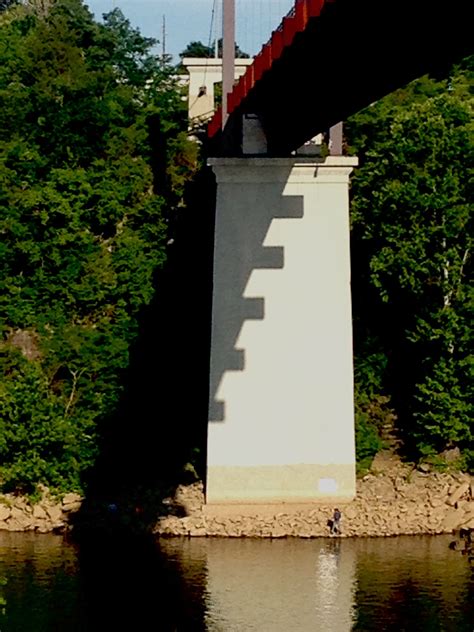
[190, 498]
[20, 518]
[198, 532]
[453, 520]
[54, 512]
[22, 504]
[14, 525]
[452, 455]
[5, 512]
[72, 507]
[71, 499]
[463, 504]
[458, 493]
[469, 508]
[39, 513]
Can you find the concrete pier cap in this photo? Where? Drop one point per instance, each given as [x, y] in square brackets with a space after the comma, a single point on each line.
[281, 413]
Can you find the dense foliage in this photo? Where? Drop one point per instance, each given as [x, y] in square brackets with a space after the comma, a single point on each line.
[94, 158]
[198, 49]
[412, 238]
[93, 163]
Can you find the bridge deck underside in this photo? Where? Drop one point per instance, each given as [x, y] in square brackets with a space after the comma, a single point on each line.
[349, 56]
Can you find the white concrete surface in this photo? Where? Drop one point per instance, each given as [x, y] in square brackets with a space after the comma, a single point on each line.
[203, 75]
[281, 422]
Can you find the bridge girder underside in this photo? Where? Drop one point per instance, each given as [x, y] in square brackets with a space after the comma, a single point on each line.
[354, 53]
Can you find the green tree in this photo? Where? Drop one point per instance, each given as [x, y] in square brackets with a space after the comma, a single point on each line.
[198, 49]
[93, 163]
[412, 239]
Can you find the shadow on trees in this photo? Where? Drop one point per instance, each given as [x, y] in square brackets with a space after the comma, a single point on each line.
[156, 438]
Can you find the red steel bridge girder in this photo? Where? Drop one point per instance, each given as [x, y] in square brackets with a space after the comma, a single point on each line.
[330, 58]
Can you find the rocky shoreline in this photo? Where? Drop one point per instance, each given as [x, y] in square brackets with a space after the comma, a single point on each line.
[385, 505]
[48, 515]
[393, 499]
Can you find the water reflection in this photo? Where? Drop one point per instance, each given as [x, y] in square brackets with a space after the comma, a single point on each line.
[335, 586]
[235, 585]
[278, 585]
[413, 583]
[42, 590]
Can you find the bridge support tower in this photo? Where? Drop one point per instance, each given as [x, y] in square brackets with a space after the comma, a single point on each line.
[281, 416]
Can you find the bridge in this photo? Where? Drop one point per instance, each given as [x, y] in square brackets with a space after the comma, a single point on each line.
[281, 419]
[330, 58]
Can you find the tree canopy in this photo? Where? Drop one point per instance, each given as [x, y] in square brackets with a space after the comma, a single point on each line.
[198, 49]
[94, 158]
[412, 249]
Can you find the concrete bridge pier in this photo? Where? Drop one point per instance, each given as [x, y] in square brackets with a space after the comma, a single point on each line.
[281, 420]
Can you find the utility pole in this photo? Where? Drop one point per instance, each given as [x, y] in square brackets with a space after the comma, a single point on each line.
[163, 41]
[228, 53]
[216, 32]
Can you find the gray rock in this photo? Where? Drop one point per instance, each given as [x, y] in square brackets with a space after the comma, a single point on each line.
[451, 455]
[5, 512]
[72, 507]
[458, 493]
[39, 513]
[425, 467]
[54, 512]
[21, 518]
[71, 499]
[453, 520]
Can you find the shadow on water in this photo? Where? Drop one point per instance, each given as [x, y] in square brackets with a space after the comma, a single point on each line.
[130, 584]
[153, 442]
[159, 426]
[113, 583]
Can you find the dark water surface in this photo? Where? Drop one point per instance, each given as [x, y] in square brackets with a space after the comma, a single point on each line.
[405, 583]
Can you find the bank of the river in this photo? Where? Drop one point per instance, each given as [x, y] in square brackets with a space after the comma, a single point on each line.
[393, 499]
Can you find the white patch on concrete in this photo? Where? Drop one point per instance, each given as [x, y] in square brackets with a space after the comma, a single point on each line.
[327, 485]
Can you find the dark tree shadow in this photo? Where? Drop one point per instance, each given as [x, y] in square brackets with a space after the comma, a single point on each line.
[156, 437]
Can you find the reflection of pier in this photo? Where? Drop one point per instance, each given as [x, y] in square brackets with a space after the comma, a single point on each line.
[335, 585]
[279, 585]
[318, 585]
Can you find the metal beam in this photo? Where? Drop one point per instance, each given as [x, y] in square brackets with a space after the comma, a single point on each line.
[228, 53]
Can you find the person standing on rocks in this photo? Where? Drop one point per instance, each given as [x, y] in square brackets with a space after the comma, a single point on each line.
[336, 522]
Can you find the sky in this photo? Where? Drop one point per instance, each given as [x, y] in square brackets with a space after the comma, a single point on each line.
[190, 20]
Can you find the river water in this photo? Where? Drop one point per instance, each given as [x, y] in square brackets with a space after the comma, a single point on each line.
[234, 585]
